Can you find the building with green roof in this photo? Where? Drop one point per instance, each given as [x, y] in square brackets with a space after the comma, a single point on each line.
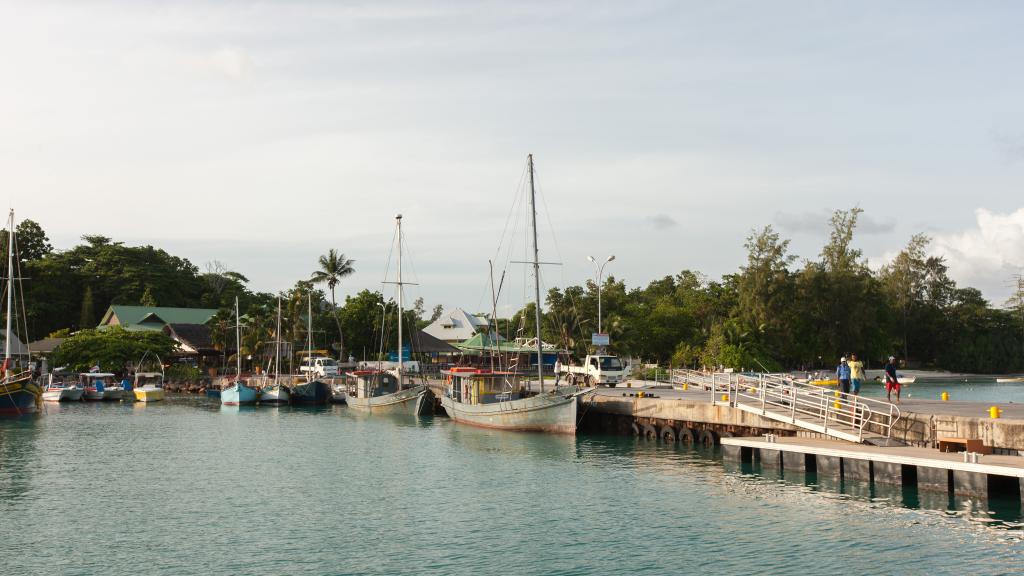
[153, 317]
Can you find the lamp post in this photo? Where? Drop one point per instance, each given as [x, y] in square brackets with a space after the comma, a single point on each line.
[600, 273]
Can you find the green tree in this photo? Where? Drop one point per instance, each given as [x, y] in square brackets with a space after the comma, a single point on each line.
[333, 267]
[111, 349]
[87, 317]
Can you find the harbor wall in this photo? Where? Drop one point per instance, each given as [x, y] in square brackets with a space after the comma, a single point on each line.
[630, 414]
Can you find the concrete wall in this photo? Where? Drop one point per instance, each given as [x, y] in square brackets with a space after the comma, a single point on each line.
[1005, 435]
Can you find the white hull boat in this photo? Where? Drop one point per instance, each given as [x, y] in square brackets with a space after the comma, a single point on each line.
[275, 394]
[415, 401]
[63, 394]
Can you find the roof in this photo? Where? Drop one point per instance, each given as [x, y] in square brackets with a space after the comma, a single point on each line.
[486, 342]
[427, 344]
[193, 337]
[456, 326]
[154, 317]
[17, 346]
[45, 346]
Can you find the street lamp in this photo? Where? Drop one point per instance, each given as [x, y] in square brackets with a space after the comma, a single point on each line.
[600, 273]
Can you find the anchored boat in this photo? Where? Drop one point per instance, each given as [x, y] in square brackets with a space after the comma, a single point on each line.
[18, 393]
[273, 392]
[60, 389]
[504, 400]
[238, 393]
[380, 391]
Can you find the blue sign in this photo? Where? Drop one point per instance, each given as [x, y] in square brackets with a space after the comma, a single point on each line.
[406, 355]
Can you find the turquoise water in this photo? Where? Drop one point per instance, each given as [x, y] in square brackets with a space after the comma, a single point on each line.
[966, 390]
[186, 487]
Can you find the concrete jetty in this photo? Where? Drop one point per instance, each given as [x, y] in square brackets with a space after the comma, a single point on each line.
[921, 423]
[910, 466]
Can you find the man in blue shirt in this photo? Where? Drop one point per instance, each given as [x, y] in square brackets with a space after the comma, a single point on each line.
[843, 375]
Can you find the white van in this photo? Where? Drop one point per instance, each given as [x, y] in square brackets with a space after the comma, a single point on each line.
[319, 366]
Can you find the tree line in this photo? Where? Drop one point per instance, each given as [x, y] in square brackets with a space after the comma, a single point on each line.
[773, 313]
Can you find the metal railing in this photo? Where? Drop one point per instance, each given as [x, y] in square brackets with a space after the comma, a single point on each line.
[781, 398]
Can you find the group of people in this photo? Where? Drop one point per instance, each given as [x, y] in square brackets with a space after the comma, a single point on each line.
[850, 374]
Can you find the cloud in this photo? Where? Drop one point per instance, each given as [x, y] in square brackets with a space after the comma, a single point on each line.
[230, 61]
[985, 256]
[817, 223]
[662, 221]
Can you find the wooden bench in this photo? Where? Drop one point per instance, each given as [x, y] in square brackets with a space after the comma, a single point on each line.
[963, 445]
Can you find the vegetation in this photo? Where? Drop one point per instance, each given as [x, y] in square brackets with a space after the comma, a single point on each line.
[112, 349]
[775, 312]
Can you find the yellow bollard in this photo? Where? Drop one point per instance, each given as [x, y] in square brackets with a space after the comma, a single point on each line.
[994, 411]
[836, 405]
[725, 397]
[945, 396]
[686, 387]
[836, 395]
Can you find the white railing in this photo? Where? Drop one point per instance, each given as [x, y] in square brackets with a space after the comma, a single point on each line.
[780, 397]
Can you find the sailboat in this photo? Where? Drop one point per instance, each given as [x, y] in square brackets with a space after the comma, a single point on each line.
[239, 392]
[18, 393]
[276, 393]
[312, 392]
[379, 391]
[501, 399]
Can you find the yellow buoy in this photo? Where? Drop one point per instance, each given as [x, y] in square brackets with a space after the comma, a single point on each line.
[994, 412]
[945, 396]
[837, 395]
[836, 405]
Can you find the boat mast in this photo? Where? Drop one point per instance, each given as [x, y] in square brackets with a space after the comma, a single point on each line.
[238, 343]
[401, 300]
[10, 288]
[309, 338]
[536, 274]
[277, 343]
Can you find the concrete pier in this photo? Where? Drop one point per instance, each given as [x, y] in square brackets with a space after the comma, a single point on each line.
[921, 422]
[927, 469]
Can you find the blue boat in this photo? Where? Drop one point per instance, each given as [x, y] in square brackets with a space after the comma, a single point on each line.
[238, 394]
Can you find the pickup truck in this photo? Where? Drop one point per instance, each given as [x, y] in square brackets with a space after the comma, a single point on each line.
[596, 370]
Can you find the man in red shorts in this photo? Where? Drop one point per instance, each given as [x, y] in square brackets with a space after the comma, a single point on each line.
[891, 382]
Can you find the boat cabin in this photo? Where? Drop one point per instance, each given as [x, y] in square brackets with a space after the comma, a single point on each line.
[479, 386]
[97, 380]
[370, 383]
[154, 379]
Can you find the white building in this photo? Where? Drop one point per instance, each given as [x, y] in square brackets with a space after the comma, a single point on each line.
[456, 326]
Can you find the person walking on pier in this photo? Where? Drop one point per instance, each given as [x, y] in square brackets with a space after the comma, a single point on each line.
[843, 374]
[856, 374]
[891, 382]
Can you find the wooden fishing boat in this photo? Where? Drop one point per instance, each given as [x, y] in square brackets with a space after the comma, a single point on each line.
[380, 391]
[504, 400]
[19, 394]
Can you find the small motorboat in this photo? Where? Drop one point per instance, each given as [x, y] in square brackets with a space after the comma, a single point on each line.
[95, 385]
[59, 389]
[149, 386]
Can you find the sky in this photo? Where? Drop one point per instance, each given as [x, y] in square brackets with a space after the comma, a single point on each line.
[260, 134]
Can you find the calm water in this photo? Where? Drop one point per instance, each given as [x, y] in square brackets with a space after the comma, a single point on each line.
[186, 487]
[967, 390]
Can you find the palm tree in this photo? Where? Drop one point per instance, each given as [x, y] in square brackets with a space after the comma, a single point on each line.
[333, 267]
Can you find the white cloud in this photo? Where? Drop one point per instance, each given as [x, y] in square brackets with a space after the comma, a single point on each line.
[985, 256]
